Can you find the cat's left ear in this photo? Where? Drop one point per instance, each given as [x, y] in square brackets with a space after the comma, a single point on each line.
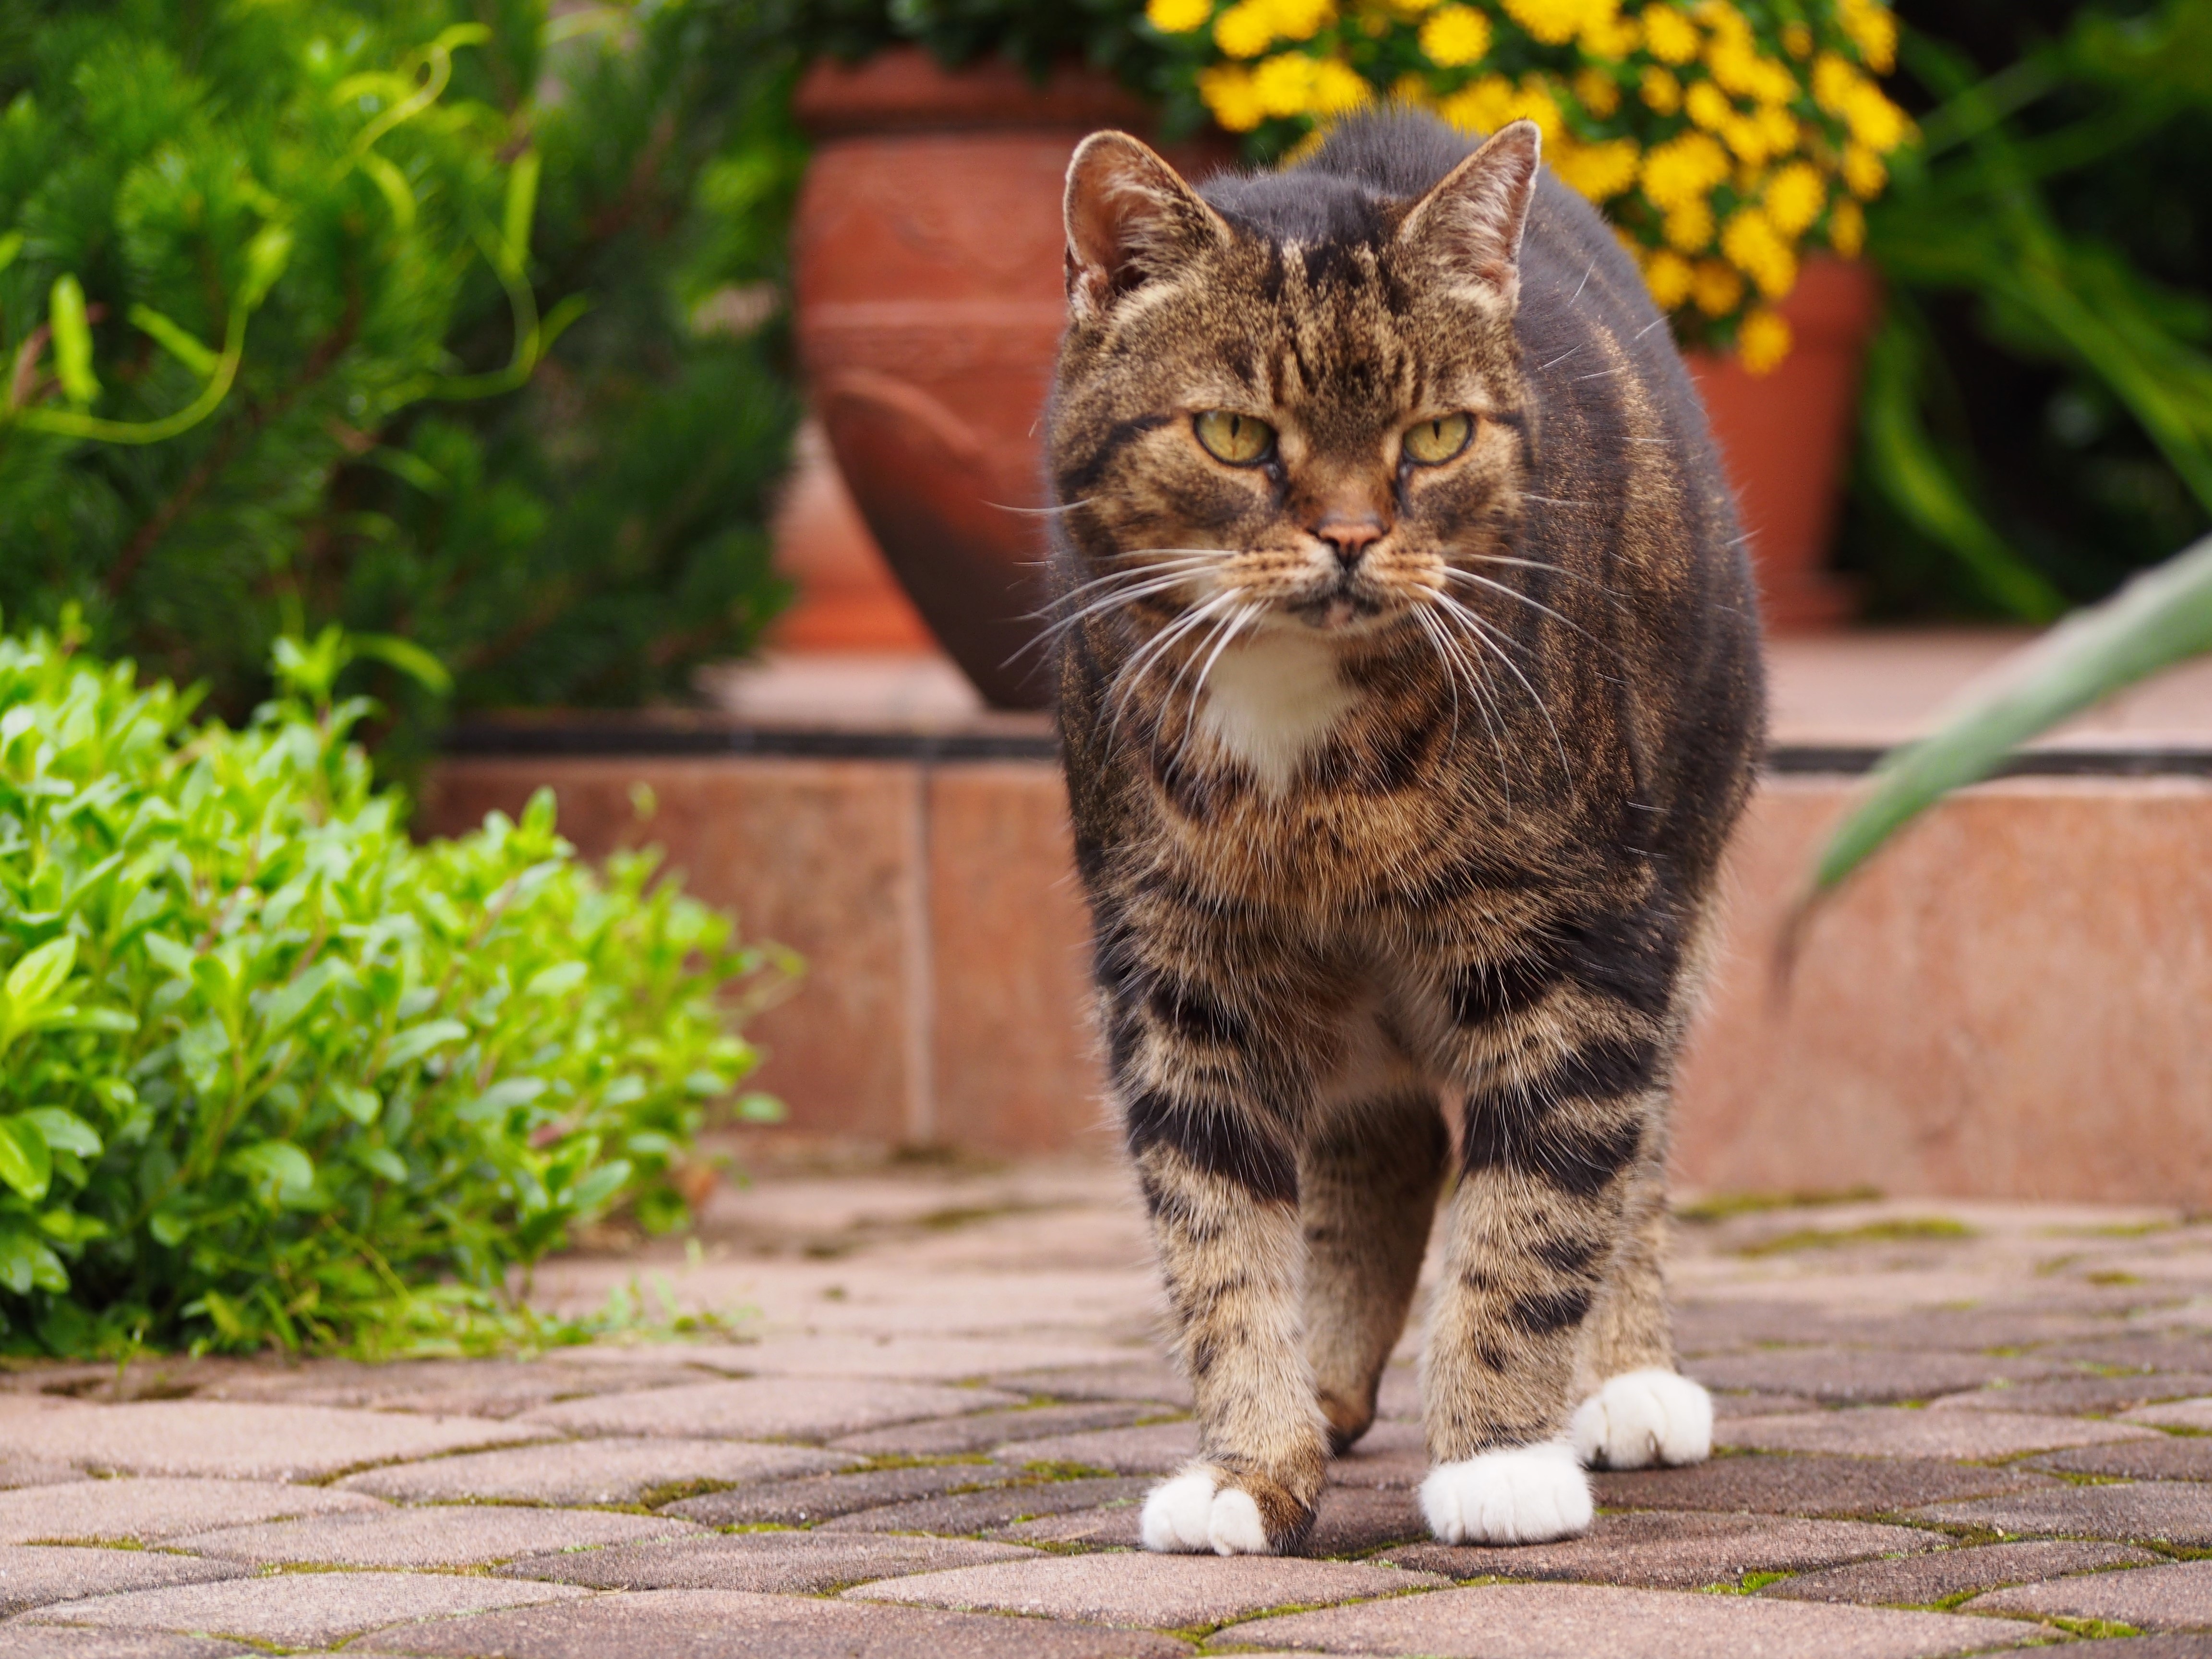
[1131, 219]
[1469, 226]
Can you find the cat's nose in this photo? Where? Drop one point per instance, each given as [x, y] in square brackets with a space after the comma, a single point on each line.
[1351, 535]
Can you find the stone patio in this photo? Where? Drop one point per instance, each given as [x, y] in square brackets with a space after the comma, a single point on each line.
[1947, 1428]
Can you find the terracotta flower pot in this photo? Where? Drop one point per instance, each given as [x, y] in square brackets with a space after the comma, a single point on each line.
[926, 272]
[1783, 437]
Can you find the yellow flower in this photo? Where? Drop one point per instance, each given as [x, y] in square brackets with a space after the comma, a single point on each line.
[1716, 288]
[1455, 36]
[1293, 83]
[1683, 169]
[1230, 96]
[1833, 81]
[1600, 92]
[1689, 228]
[1794, 197]
[1708, 105]
[1298, 20]
[1863, 172]
[1670, 277]
[1246, 29]
[1668, 34]
[1413, 10]
[1756, 248]
[1763, 341]
[1847, 229]
[1555, 23]
[1798, 40]
[1532, 101]
[1778, 127]
[1177, 16]
[1412, 90]
[1610, 38]
[1872, 30]
[1598, 171]
[1661, 92]
[1873, 120]
[1746, 138]
[1337, 87]
[1481, 105]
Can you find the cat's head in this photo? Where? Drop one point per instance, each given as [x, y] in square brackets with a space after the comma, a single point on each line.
[1306, 419]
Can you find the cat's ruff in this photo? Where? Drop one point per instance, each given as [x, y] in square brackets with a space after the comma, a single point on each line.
[1268, 702]
[1643, 1419]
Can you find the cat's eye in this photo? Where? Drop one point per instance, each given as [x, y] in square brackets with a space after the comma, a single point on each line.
[1236, 438]
[1429, 442]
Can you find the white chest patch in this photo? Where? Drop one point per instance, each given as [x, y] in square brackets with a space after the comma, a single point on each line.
[1268, 703]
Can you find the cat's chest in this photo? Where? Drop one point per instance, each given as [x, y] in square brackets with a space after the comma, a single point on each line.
[1267, 705]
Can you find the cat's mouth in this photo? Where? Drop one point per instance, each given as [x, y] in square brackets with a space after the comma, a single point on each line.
[1343, 603]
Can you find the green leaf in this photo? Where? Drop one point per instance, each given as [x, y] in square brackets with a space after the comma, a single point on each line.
[64, 1131]
[383, 1161]
[25, 1164]
[266, 256]
[27, 1264]
[416, 1041]
[361, 1105]
[176, 958]
[10, 246]
[761, 1109]
[72, 337]
[278, 1164]
[521, 207]
[2162, 617]
[409, 658]
[170, 1228]
[176, 341]
[558, 981]
[32, 982]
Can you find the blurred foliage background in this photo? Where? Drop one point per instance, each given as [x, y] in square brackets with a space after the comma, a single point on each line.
[489, 299]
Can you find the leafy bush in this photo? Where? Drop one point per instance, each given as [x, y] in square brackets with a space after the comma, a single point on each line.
[381, 312]
[267, 1067]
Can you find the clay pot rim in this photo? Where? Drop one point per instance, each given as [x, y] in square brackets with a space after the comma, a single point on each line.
[904, 89]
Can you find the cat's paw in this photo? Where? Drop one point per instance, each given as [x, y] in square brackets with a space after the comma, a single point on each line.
[1524, 1495]
[1198, 1510]
[1642, 1418]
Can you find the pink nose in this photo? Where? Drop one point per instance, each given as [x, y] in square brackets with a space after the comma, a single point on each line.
[1350, 536]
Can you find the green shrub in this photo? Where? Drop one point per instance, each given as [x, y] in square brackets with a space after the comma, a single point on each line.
[380, 313]
[267, 1068]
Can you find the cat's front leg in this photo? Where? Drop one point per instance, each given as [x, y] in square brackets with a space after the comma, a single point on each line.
[1223, 1194]
[1550, 1149]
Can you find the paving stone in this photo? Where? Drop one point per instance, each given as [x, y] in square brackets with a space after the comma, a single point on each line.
[1895, 1432]
[2149, 1512]
[1972, 1330]
[805, 1502]
[1809, 1485]
[1155, 1449]
[1702, 1328]
[1146, 1379]
[1398, 1394]
[1161, 1591]
[1359, 1520]
[298, 1609]
[1729, 1403]
[33, 1575]
[238, 1442]
[766, 1408]
[2175, 1596]
[468, 1388]
[20, 1642]
[2138, 1352]
[592, 1472]
[2169, 1458]
[18, 1468]
[951, 1436]
[1861, 1376]
[1394, 1456]
[2175, 1414]
[1111, 1526]
[2177, 1645]
[1664, 1550]
[1939, 1574]
[144, 1511]
[909, 1359]
[449, 1536]
[1002, 1506]
[732, 1624]
[803, 1563]
[1601, 1621]
[2065, 1395]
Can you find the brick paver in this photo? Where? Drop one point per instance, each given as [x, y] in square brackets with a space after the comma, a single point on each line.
[933, 1441]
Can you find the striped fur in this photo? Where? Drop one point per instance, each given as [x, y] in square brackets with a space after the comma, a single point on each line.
[1440, 819]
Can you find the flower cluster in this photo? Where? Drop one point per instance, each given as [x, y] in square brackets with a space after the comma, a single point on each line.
[1720, 138]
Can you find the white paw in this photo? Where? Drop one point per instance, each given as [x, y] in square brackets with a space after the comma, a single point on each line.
[1193, 1511]
[1528, 1495]
[1642, 1418]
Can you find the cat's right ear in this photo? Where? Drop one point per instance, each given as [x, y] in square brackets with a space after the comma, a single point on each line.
[1131, 219]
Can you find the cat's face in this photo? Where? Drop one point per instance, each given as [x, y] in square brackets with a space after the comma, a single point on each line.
[1324, 439]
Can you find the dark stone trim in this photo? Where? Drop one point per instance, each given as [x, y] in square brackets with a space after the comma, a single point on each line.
[615, 740]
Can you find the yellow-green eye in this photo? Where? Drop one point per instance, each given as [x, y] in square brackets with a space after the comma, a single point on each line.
[1236, 438]
[1430, 442]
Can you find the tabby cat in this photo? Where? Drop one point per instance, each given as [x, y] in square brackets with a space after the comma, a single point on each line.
[1409, 685]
